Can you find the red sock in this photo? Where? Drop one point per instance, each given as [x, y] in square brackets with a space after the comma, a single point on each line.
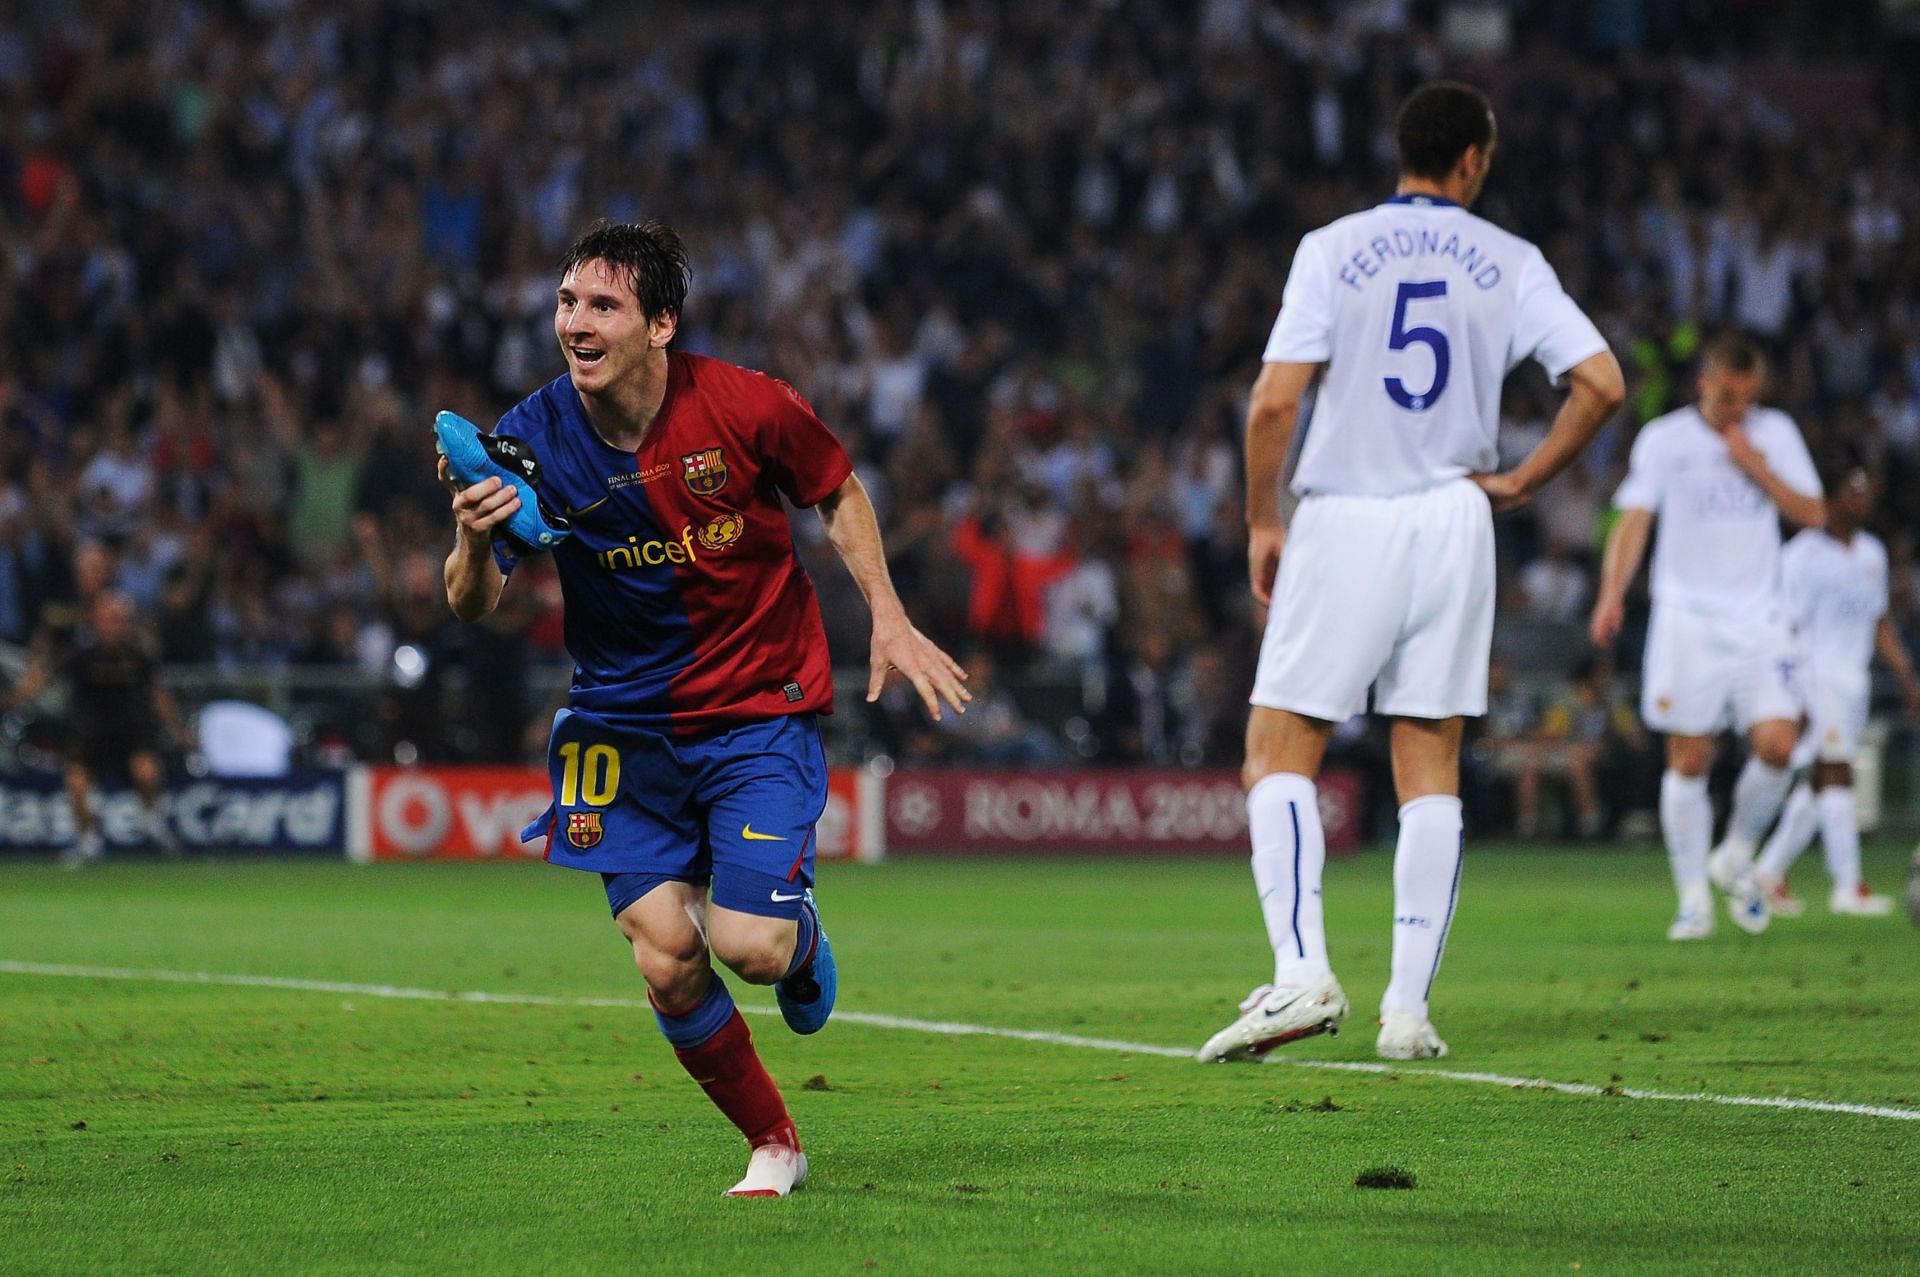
[728, 1069]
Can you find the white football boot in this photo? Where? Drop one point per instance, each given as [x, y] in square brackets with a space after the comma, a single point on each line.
[1781, 901]
[774, 1170]
[1727, 862]
[1407, 1035]
[1861, 902]
[1695, 919]
[1747, 904]
[1274, 1015]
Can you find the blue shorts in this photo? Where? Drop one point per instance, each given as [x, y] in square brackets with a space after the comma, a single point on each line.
[734, 807]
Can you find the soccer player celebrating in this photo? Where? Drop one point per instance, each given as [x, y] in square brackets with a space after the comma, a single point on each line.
[687, 757]
[1835, 580]
[1410, 314]
[1719, 476]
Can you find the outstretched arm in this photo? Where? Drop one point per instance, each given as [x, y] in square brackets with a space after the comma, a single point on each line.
[851, 526]
[1595, 392]
[1272, 417]
[1626, 546]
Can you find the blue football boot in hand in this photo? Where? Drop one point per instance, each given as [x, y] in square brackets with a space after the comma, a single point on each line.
[473, 456]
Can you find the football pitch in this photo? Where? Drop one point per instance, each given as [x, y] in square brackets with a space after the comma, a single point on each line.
[257, 1068]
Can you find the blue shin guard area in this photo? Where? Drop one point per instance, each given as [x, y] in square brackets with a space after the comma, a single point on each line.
[706, 1019]
[808, 930]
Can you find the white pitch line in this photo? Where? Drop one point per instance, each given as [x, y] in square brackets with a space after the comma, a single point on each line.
[950, 1028]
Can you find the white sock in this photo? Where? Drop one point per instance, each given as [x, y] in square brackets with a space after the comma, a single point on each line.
[1840, 835]
[1426, 886]
[1686, 821]
[1757, 796]
[1289, 855]
[1798, 821]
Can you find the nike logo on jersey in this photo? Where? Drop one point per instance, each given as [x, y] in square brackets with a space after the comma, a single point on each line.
[780, 899]
[571, 514]
[746, 831]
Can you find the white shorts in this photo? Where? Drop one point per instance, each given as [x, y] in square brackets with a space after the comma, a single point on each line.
[1837, 704]
[1706, 673]
[1393, 593]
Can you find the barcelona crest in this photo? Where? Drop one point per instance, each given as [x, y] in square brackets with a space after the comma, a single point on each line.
[705, 471]
[584, 829]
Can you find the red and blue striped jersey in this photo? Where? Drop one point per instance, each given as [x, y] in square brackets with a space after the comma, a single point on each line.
[685, 605]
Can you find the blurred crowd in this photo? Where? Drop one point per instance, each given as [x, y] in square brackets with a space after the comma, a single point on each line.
[1023, 257]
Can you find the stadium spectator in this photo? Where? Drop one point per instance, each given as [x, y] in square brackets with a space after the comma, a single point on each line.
[1502, 753]
[1585, 726]
[1556, 585]
[995, 731]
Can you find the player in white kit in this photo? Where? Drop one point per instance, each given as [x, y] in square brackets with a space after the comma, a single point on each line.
[1835, 581]
[1719, 476]
[1410, 314]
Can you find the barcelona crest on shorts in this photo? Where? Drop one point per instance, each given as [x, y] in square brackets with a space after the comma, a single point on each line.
[584, 828]
[705, 471]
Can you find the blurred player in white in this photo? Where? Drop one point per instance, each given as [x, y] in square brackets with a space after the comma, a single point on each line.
[1835, 581]
[1411, 314]
[1719, 476]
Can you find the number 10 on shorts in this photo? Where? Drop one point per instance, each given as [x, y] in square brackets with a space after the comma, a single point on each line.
[594, 777]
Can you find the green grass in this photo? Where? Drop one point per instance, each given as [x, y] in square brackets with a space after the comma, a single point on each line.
[250, 1130]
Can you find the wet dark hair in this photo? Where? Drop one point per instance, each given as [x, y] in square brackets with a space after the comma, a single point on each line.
[1436, 125]
[1733, 352]
[650, 256]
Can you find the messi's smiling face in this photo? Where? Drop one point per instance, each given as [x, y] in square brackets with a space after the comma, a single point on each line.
[602, 329]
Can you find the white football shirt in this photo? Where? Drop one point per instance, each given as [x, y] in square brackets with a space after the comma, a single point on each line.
[1716, 547]
[1419, 310]
[1836, 594]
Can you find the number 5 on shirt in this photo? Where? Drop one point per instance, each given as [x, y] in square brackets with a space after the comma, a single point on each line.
[599, 770]
[1401, 337]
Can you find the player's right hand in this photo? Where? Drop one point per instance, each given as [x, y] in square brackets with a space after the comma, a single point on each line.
[898, 646]
[1264, 543]
[1608, 616]
[480, 509]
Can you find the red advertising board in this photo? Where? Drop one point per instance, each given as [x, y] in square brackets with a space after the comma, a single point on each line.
[452, 813]
[1158, 811]
[477, 813]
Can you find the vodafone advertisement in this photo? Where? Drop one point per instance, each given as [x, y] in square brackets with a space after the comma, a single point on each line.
[477, 813]
[451, 813]
[1092, 812]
